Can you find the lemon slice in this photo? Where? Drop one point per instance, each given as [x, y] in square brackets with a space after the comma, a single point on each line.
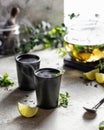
[99, 77]
[84, 56]
[26, 110]
[91, 74]
[101, 125]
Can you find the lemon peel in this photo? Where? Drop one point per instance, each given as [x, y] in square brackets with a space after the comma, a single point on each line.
[90, 75]
[26, 110]
[100, 77]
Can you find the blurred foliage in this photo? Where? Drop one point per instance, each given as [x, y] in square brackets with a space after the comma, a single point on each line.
[42, 34]
[62, 51]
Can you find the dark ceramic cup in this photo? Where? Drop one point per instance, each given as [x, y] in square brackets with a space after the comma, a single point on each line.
[47, 87]
[26, 65]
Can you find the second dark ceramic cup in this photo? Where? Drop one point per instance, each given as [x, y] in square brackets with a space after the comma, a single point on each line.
[26, 65]
[47, 88]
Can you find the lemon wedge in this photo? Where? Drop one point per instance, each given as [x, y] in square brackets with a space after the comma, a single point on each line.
[26, 110]
[91, 74]
[100, 77]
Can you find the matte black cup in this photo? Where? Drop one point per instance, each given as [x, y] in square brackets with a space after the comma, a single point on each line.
[47, 89]
[26, 65]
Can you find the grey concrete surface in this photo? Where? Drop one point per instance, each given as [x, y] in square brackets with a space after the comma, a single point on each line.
[71, 118]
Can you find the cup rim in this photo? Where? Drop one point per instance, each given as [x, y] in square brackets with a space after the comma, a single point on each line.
[52, 69]
[17, 58]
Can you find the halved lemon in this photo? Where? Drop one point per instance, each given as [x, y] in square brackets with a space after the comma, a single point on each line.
[91, 74]
[99, 77]
[26, 110]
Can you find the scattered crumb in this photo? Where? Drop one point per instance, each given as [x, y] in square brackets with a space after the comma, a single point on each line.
[96, 85]
[81, 77]
[86, 84]
[91, 83]
[31, 101]
[26, 95]
[25, 100]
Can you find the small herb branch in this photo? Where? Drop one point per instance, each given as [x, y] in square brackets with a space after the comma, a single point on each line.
[5, 81]
[100, 65]
[64, 99]
[42, 34]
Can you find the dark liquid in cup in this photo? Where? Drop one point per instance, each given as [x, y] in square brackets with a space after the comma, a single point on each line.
[28, 60]
[26, 65]
[47, 73]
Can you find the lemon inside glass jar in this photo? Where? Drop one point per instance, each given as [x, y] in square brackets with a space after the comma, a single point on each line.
[85, 53]
[85, 42]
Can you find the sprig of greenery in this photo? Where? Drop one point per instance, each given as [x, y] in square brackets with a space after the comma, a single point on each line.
[73, 15]
[100, 65]
[101, 125]
[84, 48]
[64, 99]
[42, 34]
[5, 81]
[62, 51]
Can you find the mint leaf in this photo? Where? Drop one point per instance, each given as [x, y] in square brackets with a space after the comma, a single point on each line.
[5, 81]
[64, 99]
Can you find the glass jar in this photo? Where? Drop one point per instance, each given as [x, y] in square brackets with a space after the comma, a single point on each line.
[9, 45]
[85, 41]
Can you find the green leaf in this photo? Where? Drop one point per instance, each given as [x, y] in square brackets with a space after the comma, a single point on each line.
[62, 51]
[100, 65]
[5, 81]
[5, 75]
[64, 99]
[73, 15]
[44, 34]
[101, 125]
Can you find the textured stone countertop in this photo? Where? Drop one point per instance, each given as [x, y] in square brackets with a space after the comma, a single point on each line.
[73, 117]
